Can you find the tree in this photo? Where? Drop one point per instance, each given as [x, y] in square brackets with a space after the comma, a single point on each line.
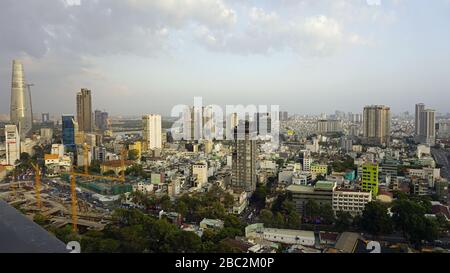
[312, 209]
[375, 219]
[181, 208]
[266, 217]
[409, 217]
[292, 220]
[135, 170]
[165, 203]
[327, 214]
[278, 220]
[343, 221]
[65, 234]
[228, 200]
[186, 242]
[40, 219]
[259, 196]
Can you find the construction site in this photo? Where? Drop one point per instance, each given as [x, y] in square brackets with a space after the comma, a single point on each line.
[81, 200]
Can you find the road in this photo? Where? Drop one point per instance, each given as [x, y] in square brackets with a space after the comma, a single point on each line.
[441, 157]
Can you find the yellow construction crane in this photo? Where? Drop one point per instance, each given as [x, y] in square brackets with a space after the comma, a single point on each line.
[37, 184]
[86, 158]
[73, 175]
[74, 205]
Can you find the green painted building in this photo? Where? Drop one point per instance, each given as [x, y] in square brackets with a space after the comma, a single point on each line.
[370, 178]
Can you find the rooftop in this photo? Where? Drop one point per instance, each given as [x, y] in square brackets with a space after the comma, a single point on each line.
[51, 157]
[325, 185]
[18, 234]
[347, 242]
[300, 188]
[117, 163]
[290, 232]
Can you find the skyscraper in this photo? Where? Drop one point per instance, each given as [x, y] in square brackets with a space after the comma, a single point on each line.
[263, 123]
[45, 117]
[284, 115]
[244, 159]
[101, 120]
[377, 125]
[427, 127]
[21, 114]
[419, 108]
[152, 132]
[12, 143]
[84, 110]
[69, 129]
[425, 131]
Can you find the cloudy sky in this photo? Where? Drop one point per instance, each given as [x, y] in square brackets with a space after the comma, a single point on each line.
[308, 56]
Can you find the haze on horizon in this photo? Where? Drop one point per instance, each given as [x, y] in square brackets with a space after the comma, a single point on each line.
[308, 56]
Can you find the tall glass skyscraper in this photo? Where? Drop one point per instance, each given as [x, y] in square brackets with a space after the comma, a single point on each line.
[69, 128]
[21, 113]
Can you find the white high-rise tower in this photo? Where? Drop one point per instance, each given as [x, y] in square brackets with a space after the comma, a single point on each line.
[152, 132]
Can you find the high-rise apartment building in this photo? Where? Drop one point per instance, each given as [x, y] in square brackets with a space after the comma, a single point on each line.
[12, 143]
[231, 123]
[284, 116]
[329, 126]
[428, 126]
[419, 108]
[263, 123]
[152, 132]
[244, 159]
[21, 112]
[425, 125]
[45, 117]
[101, 120]
[84, 111]
[370, 178]
[377, 125]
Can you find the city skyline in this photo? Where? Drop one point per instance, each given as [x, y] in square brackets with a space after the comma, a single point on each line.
[320, 53]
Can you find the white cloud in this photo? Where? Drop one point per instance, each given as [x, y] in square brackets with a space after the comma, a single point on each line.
[268, 31]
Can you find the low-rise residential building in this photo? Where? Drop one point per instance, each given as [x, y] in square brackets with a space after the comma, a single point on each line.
[145, 188]
[319, 169]
[200, 172]
[57, 164]
[240, 202]
[350, 201]
[284, 236]
[211, 224]
[57, 149]
[302, 178]
[430, 174]
[174, 187]
[420, 186]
